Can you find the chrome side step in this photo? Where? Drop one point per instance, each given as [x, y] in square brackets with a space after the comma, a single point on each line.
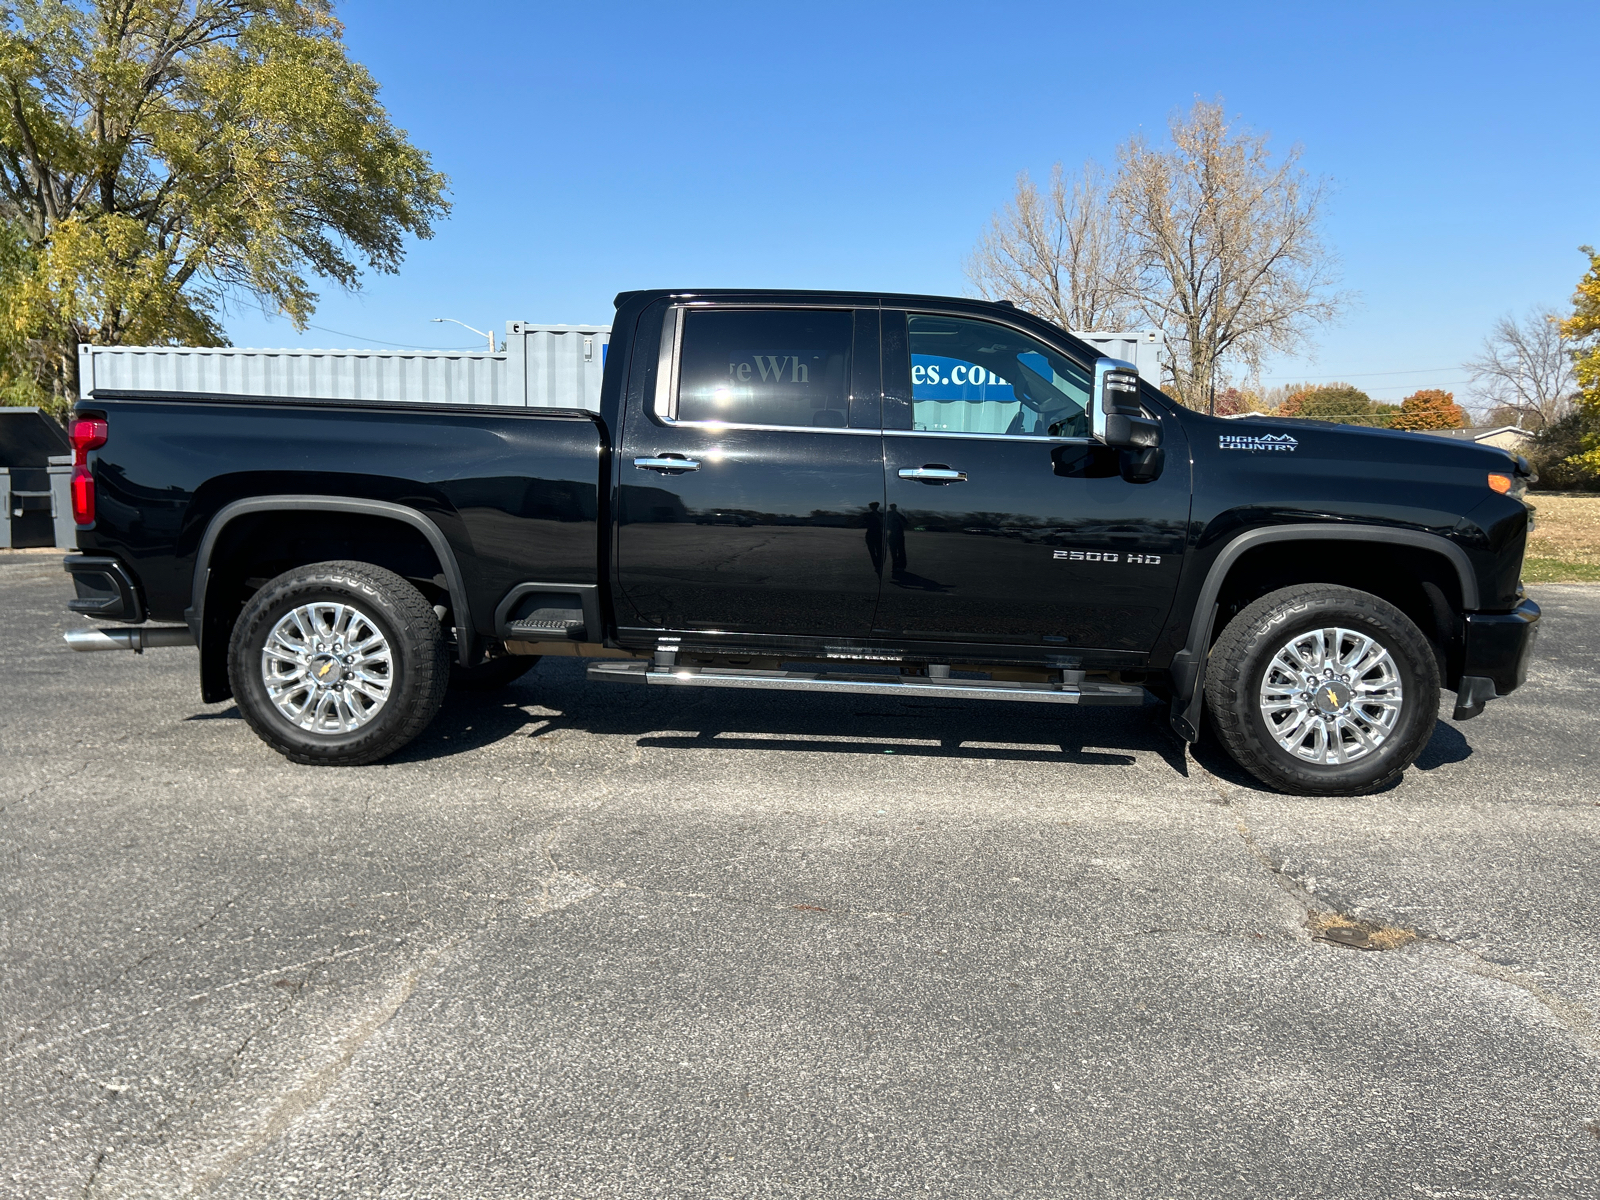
[882, 685]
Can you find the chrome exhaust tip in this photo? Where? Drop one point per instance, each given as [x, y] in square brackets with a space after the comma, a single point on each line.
[136, 638]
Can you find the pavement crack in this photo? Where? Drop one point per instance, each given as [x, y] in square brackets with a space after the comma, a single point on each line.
[1325, 922]
[296, 1101]
[94, 1173]
[208, 993]
[752, 902]
[1304, 898]
[1223, 794]
[1576, 1019]
[48, 783]
[155, 952]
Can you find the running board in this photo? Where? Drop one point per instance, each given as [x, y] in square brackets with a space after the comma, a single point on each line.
[901, 685]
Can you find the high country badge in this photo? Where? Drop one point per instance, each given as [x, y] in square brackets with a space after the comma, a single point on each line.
[1256, 441]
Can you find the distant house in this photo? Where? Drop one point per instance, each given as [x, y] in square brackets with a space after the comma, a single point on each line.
[1503, 437]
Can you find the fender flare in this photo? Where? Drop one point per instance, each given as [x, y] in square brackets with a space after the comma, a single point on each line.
[1189, 664]
[195, 615]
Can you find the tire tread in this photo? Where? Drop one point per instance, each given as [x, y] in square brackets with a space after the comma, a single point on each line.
[1230, 698]
[414, 621]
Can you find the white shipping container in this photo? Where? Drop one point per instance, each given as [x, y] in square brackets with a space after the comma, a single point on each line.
[1144, 349]
[542, 366]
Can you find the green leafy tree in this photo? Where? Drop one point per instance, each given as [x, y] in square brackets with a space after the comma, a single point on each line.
[1429, 408]
[1558, 452]
[1341, 403]
[160, 156]
[1583, 329]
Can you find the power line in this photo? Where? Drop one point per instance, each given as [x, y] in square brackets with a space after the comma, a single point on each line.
[381, 342]
[1375, 374]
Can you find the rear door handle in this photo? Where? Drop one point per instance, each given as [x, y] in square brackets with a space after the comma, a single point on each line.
[666, 464]
[933, 474]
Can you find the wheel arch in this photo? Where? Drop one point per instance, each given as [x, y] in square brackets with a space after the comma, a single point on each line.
[210, 627]
[1189, 664]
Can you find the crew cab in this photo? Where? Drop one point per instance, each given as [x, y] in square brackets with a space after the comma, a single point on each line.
[885, 494]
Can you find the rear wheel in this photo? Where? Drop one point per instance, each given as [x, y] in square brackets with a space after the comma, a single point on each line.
[1323, 690]
[338, 663]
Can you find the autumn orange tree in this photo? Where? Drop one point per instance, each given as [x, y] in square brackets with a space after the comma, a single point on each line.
[1429, 409]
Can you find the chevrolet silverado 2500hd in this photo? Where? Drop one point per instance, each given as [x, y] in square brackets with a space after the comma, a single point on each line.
[897, 495]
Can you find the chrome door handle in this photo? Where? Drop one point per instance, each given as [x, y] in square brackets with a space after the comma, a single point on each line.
[933, 474]
[666, 464]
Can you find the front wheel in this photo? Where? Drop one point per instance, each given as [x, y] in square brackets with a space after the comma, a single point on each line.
[338, 663]
[1323, 690]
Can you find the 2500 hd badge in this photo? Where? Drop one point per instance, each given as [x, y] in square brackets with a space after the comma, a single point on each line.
[1107, 556]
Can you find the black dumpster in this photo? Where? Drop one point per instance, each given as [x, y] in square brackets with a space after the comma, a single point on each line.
[29, 438]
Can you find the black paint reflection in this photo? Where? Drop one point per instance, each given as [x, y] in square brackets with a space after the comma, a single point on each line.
[1042, 545]
[776, 532]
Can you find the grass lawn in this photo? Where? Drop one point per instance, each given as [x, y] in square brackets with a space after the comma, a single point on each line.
[1564, 546]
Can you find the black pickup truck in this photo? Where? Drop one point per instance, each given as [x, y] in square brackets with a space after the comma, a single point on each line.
[900, 495]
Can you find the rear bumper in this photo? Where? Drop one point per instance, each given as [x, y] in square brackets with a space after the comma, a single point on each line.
[104, 589]
[1495, 663]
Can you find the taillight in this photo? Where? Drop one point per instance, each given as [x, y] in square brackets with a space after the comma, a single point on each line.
[86, 434]
[82, 496]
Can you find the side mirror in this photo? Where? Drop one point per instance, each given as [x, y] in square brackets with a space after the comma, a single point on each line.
[1116, 417]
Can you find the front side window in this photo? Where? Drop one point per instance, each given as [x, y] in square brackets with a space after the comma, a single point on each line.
[978, 377]
[766, 367]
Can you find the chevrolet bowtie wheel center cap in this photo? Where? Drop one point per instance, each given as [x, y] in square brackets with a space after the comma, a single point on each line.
[1331, 696]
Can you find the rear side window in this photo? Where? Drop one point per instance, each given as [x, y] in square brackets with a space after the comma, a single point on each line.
[766, 367]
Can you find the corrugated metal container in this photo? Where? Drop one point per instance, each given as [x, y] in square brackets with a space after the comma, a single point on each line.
[558, 362]
[1145, 349]
[542, 366]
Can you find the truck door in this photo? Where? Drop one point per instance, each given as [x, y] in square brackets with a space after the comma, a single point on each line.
[1005, 522]
[752, 475]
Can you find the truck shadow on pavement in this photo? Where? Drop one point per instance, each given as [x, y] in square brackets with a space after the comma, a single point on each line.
[815, 723]
[819, 723]
[1447, 745]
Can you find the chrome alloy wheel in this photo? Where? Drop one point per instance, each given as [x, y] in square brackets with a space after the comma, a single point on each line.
[327, 668]
[1331, 696]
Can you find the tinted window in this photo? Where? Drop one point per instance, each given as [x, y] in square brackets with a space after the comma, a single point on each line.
[976, 377]
[766, 367]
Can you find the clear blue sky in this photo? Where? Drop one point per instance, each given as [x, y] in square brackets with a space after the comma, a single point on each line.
[859, 145]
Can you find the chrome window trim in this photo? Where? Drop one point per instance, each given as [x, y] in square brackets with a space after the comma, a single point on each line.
[665, 406]
[719, 426]
[992, 437]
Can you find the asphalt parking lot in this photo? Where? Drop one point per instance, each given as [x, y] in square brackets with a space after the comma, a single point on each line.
[589, 941]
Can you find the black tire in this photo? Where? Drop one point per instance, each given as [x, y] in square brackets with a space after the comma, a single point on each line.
[491, 674]
[1245, 653]
[415, 669]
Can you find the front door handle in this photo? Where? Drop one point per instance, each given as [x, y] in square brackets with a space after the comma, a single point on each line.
[933, 474]
[666, 463]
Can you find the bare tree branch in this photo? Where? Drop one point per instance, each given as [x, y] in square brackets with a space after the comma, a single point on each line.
[1525, 368]
[1062, 256]
[1225, 246]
